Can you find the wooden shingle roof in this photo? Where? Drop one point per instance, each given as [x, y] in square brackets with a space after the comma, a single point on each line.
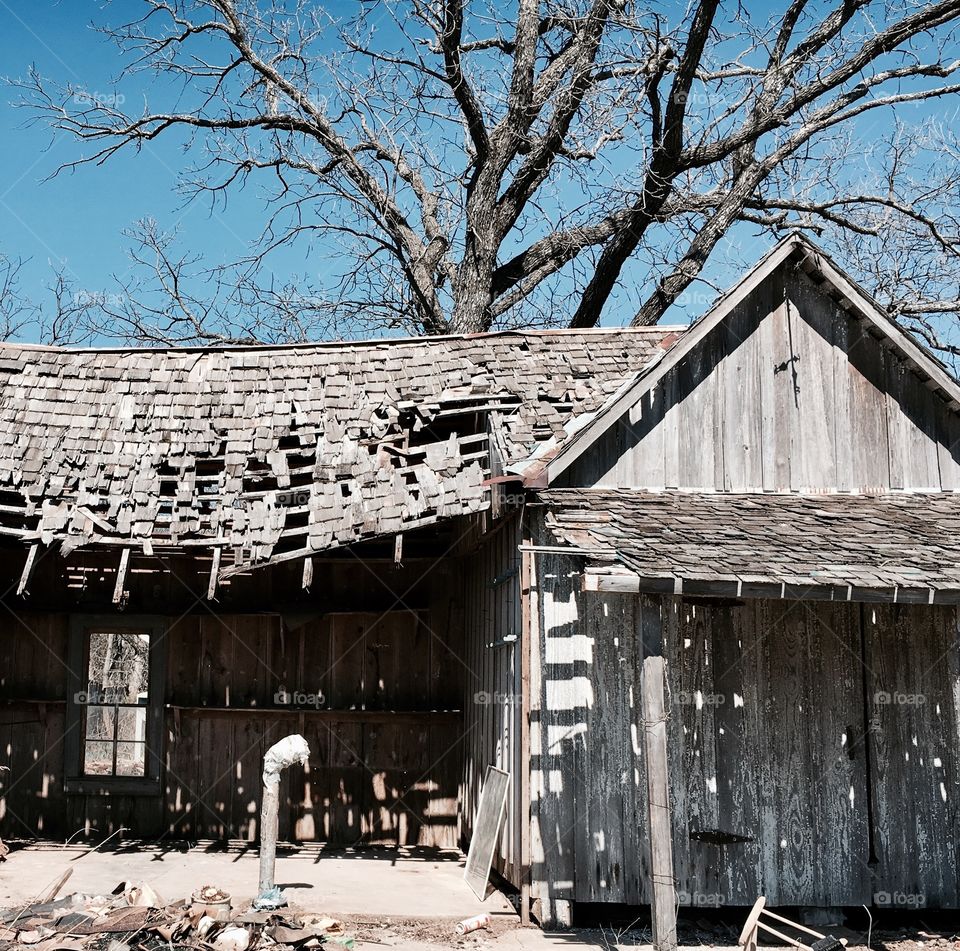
[262, 451]
[898, 546]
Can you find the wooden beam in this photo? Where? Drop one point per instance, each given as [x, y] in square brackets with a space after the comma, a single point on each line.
[526, 646]
[663, 891]
[398, 549]
[614, 582]
[307, 572]
[28, 568]
[214, 574]
[121, 576]
[611, 582]
[97, 520]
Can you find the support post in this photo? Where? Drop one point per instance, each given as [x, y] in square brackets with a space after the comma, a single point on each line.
[28, 569]
[660, 826]
[269, 823]
[525, 646]
[290, 750]
[214, 573]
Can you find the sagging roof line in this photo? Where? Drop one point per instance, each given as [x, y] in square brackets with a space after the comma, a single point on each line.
[342, 344]
[270, 451]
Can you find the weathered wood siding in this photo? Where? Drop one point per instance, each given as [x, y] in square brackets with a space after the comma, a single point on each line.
[385, 737]
[588, 838]
[780, 733]
[492, 704]
[913, 691]
[789, 393]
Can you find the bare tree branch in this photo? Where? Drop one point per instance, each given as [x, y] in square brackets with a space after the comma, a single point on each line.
[472, 167]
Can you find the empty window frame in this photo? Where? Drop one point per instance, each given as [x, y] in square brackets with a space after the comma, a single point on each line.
[115, 706]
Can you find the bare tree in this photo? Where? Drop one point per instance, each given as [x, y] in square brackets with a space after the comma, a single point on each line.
[16, 310]
[458, 168]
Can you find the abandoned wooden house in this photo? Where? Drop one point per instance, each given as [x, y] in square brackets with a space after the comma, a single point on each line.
[432, 556]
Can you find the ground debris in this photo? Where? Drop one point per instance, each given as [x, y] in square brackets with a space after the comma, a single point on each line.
[135, 918]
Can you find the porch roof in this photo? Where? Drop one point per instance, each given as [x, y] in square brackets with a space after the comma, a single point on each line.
[893, 547]
[278, 451]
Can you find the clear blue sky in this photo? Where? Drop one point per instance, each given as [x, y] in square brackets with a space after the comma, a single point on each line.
[76, 221]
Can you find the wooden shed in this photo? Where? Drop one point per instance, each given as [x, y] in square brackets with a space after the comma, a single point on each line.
[433, 556]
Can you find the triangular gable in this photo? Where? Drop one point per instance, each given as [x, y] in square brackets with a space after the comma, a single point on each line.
[544, 468]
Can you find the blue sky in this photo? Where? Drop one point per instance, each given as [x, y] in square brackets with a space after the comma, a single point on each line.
[76, 220]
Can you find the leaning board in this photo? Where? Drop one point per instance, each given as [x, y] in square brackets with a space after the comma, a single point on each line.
[493, 801]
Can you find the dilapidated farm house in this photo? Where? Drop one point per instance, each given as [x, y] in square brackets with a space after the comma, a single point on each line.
[431, 556]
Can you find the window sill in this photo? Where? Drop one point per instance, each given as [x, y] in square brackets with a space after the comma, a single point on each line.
[111, 786]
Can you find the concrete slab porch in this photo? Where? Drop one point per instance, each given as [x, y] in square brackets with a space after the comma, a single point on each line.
[408, 882]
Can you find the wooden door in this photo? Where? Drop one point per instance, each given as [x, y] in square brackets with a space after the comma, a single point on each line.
[768, 733]
[913, 694]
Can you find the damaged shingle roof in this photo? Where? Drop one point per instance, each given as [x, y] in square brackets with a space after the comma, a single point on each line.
[824, 546]
[265, 450]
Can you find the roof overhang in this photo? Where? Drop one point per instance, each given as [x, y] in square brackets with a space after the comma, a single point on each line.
[899, 547]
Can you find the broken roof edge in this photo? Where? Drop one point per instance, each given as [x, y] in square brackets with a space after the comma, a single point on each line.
[543, 467]
[345, 344]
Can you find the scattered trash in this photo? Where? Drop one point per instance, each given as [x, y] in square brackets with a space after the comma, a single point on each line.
[141, 895]
[473, 924]
[759, 920]
[134, 918]
[212, 901]
[232, 938]
[270, 900]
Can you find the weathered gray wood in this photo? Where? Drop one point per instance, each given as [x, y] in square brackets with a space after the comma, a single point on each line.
[663, 890]
[845, 298]
[692, 744]
[214, 573]
[269, 824]
[913, 689]
[790, 393]
[121, 581]
[494, 634]
[28, 567]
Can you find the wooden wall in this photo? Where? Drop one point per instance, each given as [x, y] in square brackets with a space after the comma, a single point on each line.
[822, 741]
[789, 393]
[492, 613]
[385, 739]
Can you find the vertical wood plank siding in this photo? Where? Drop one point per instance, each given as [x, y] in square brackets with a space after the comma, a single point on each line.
[377, 694]
[790, 393]
[492, 611]
[777, 739]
